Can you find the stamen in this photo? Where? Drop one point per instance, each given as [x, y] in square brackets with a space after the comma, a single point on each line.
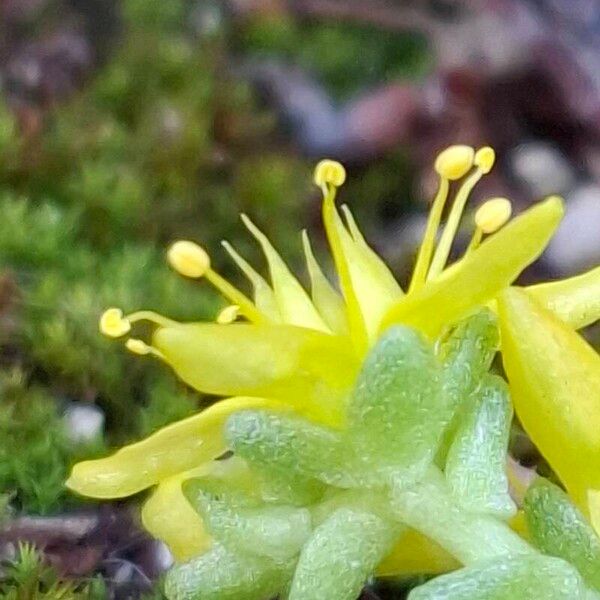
[152, 317]
[114, 324]
[454, 162]
[484, 160]
[489, 218]
[191, 260]
[334, 229]
[247, 307]
[451, 164]
[228, 315]
[139, 347]
[329, 172]
[188, 259]
[426, 249]
[493, 214]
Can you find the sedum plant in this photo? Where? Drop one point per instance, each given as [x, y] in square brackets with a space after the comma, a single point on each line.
[366, 431]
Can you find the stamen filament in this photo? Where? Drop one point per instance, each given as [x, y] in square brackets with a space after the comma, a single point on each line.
[247, 307]
[228, 315]
[475, 241]
[443, 250]
[426, 249]
[148, 315]
[140, 347]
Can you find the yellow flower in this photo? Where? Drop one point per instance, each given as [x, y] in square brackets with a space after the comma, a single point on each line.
[287, 350]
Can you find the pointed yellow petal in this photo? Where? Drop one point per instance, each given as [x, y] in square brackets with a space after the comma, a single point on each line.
[328, 302]
[264, 298]
[482, 274]
[310, 370]
[554, 377]
[294, 304]
[368, 286]
[171, 450]
[575, 300]
[336, 232]
[386, 279]
[169, 517]
[414, 554]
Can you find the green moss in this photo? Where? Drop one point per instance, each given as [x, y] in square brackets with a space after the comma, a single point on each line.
[27, 577]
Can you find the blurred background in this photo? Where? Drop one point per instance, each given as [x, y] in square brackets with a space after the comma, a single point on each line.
[126, 124]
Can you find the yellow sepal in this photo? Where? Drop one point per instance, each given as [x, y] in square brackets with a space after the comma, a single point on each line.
[415, 554]
[178, 447]
[169, 517]
[575, 300]
[554, 377]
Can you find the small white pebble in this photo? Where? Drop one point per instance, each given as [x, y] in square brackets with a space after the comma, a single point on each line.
[83, 422]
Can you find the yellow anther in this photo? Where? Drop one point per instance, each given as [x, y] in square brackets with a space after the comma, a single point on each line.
[188, 259]
[493, 214]
[454, 162]
[484, 159]
[113, 323]
[228, 315]
[329, 172]
[137, 346]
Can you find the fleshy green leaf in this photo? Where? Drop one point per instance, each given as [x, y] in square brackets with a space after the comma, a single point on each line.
[520, 577]
[476, 465]
[558, 528]
[289, 445]
[276, 532]
[397, 411]
[223, 575]
[341, 554]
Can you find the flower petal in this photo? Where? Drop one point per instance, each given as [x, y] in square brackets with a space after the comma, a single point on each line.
[368, 287]
[328, 302]
[575, 300]
[554, 377]
[416, 554]
[169, 517]
[178, 447]
[294, 304]
[264, 298]
[308, 369]
[482, 274]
